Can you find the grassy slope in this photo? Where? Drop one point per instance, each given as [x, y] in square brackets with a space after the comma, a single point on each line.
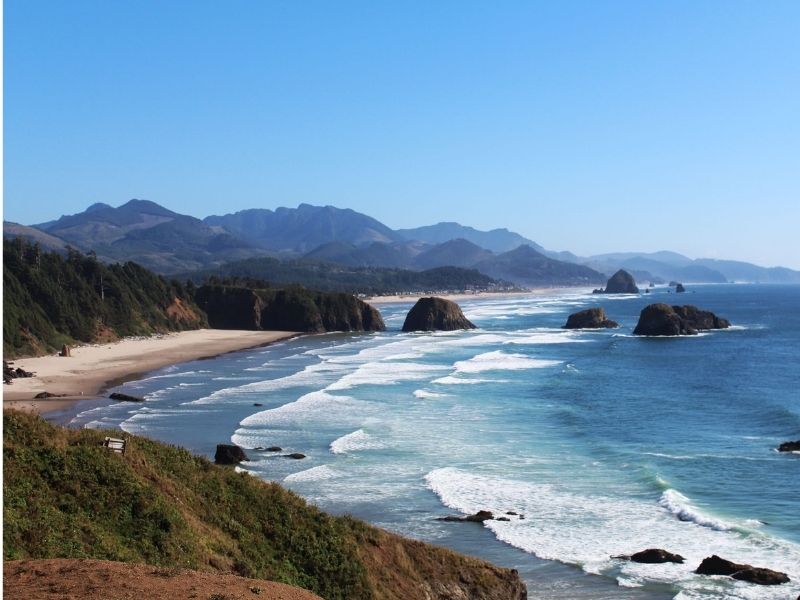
[65, 496]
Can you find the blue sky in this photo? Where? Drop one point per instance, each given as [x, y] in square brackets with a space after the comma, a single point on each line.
[587, 126]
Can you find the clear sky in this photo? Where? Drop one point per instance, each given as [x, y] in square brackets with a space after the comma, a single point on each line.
[592, 126]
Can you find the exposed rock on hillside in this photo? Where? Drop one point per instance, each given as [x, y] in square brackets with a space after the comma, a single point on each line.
[620, 282]
[436, 314]
[591, 318]
[663, 319]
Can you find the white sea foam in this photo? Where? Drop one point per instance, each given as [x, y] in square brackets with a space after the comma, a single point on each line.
[318, 405]
[386, 373]
[585, 530]
[355, 441]
[452, 380]
[319, 473]
[428, 395]
[498, 360]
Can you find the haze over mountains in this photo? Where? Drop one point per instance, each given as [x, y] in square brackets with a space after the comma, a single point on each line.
[168, 242]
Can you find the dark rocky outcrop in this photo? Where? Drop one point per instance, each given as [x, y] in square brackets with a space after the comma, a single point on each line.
[679, 289]
[436, 314]
[663, 319]
[9, 372]
[620, 282]
[714, 565]
[478, 517]
[44, 395]
[125, 397]
[295, 455]
[654, 556]
[591, 318]
[229, 454]
[291, 309]
[789, 447]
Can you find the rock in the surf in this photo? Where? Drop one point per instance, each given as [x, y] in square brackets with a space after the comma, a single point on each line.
[436, 314]
[295, 455]
[663, 319]
[229, 454]
[679, 289]
[789, 446]
[656, 555]
[591, 318]
[478, 517]
[714, 565]
[125, 397]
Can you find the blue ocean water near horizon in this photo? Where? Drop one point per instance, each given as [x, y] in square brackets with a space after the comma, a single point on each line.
[606, 442]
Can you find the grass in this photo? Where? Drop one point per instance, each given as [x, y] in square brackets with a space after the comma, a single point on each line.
[68, 497]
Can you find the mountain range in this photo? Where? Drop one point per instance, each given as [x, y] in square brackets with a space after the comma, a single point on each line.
[169, 243]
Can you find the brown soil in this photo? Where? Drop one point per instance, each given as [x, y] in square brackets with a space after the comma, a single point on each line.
[83, 579]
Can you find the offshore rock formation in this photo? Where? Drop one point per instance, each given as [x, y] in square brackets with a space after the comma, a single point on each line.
[714, 565]
[436, 314]
[292, 309]
[663, 319]
[620, 282]
[591, 318]
[789, 447]
[679, 289]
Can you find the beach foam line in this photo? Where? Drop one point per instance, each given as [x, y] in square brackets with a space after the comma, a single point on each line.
[354, 442]
[318, 473]
[428, 395]
[498, 360]
[312, 407]
[586, 530]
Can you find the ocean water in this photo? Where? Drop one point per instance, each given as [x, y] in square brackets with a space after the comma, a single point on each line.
[606, 443]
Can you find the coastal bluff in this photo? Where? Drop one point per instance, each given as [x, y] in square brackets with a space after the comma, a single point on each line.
[436, 314]
[159, 504]
[291, 309]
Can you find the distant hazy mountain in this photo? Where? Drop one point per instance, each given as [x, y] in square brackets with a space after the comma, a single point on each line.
[742, 271]
[496, 240]
[149, 234]
[168, 242]
[526, 266]
[454, 253]
[304, 228]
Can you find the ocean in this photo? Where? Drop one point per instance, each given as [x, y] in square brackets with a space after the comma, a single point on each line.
[602, 442]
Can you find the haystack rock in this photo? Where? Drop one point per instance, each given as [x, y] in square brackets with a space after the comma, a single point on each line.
[591, 318]
[436, 314]
[620, 282]
[228, 454]
[663, 319]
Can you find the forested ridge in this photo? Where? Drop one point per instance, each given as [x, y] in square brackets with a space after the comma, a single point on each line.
[50, 300]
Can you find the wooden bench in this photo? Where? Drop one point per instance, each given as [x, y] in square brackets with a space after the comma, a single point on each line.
[115, 444]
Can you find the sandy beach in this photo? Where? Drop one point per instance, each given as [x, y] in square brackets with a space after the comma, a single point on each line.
[94, 367]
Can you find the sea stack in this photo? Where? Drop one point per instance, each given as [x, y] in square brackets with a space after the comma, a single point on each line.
[663, 319]
[621, 282]
[436, 314]
[591, 318]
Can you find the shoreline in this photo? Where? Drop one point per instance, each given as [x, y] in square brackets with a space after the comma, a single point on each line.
[94, 368]
[461, 296]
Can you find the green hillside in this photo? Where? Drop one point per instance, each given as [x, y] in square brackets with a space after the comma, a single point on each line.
[65, 496]
[50, 300]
